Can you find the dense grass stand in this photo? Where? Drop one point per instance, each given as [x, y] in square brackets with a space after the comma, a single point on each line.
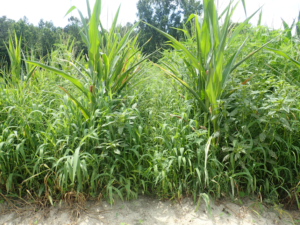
[206, 120]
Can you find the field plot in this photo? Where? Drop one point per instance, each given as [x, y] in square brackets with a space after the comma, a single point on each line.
[211, 114]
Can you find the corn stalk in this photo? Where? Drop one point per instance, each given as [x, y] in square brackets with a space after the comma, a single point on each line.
[206, 64]
[14, 52]
[15, 75]
[112, 60]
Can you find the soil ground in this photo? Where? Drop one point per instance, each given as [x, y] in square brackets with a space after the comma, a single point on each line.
[149, 211]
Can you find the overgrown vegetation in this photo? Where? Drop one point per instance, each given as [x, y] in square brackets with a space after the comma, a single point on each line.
[206, 118]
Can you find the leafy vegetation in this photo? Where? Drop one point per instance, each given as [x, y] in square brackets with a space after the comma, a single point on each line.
[206, 119]
[166, 15]
[41, 38]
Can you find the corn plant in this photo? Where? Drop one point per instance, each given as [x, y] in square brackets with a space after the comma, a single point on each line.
[205, 61]
[16, 76]
[14, 52]
[112, 61]
[287, 29]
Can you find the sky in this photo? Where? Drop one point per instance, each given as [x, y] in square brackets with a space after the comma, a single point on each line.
[273, 11]
[55, 10]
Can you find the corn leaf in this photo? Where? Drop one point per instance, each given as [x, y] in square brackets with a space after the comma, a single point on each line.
[64, 75]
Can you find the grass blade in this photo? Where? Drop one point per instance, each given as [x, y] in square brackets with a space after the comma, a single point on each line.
[77, 103]
[70, 10]
[279, 52]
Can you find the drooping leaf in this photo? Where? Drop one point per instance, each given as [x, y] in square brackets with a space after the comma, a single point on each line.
[64, 75]
[282, 53]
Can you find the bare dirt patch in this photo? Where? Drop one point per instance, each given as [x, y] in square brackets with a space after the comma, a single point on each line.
[153, 212]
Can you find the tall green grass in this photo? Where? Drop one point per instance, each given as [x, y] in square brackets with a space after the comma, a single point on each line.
[102, 135]
[14, 52]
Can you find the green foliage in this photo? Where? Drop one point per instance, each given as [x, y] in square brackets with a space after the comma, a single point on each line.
[73, 32]
[42, 38]
[5, 25]
[14, 52]
[298, 26]
[29, 33]
[110, 71]
[101, 134]
[205, 63]
[14, 75]
[165, 15]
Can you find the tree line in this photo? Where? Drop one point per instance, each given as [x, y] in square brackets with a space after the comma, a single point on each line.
[166, 15]
[41, 38]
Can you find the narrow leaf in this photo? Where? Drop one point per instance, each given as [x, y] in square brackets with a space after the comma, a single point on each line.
[70, 10]
[77, 103]
[244, 6]
[279, 52]
[75, 162]
[64, 75]
[250, 55]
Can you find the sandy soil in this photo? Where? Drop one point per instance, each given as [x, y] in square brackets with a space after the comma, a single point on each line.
[153, 212]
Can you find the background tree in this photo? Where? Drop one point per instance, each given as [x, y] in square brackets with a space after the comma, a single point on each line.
[73, 32]
[41, 38]
[165, 15]
[48, 36]
[123, 29]
[189, 7]
[28, 32]
[5, 25]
